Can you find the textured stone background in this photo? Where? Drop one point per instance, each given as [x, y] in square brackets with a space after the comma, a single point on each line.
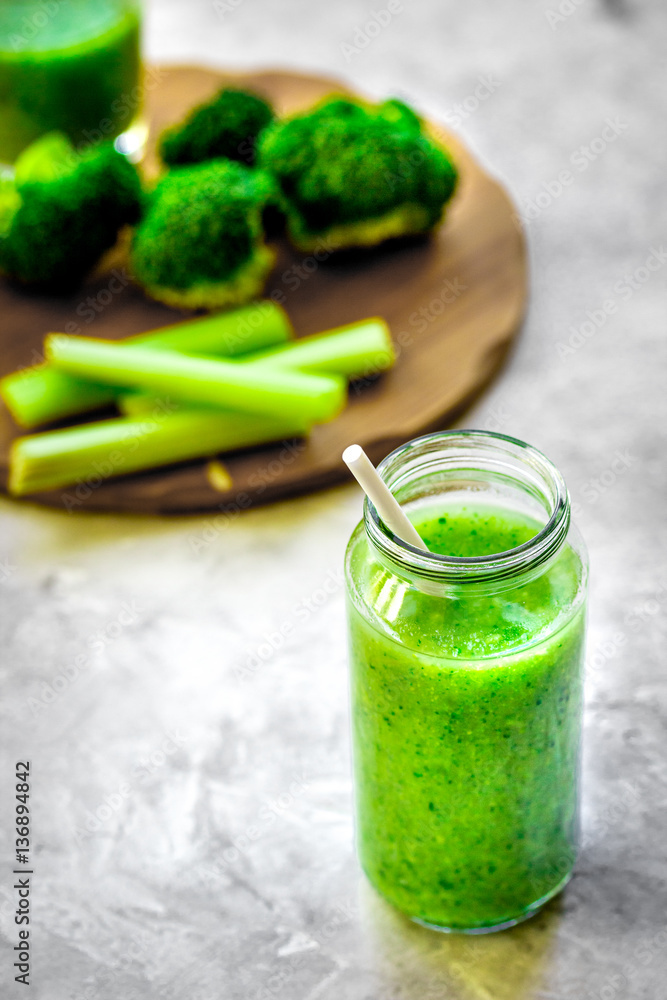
[152, 730]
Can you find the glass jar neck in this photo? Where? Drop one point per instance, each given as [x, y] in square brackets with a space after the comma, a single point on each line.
[492, 468]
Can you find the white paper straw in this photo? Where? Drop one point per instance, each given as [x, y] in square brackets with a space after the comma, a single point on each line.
[378, 493]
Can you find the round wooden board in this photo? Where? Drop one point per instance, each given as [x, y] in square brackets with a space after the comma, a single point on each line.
[453, 303]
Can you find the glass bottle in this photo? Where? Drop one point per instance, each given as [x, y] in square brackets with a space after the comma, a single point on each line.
[68, 65]
[466, 683]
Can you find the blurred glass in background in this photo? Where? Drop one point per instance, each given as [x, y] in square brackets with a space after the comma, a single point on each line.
[72, 65]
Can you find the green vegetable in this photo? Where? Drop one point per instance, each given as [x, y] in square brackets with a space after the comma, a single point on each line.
[248, 388]
[97, 451]
[354, 351]
[134, 403]
[354, 174]
[200, 244]
[47, 159]
[42, 394]
[226, 126]
[63, 210]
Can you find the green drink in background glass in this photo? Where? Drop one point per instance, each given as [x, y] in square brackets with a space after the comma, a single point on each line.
[466, 683]
[71, 65]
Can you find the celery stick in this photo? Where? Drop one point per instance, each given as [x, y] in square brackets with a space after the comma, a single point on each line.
[136, 403]
[360, 349]
[355, 351]
[239, 331]
[94, 452]
[40, 394]
[247, 388]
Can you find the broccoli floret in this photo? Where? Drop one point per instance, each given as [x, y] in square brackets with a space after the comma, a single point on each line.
[353, 174]
[62, 210]
[200, 244]
[226, 127]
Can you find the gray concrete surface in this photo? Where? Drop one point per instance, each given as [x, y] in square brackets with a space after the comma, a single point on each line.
[192, 827]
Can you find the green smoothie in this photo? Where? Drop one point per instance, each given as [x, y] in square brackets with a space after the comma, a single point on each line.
[466, 719]
[68, 65]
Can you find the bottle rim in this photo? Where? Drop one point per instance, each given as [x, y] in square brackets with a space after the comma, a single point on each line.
[473, 451]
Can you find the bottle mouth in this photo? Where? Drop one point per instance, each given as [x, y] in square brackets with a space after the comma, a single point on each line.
[490, 466]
